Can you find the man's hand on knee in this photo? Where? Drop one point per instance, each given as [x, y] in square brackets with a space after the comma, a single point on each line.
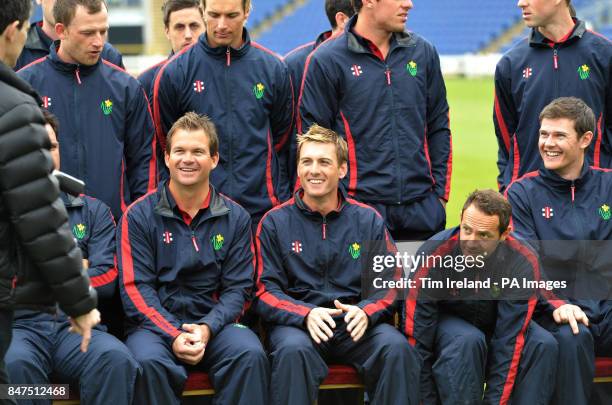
[356, 319]
[320, 323]
[571, 314]
[83, 324]
[189, 346]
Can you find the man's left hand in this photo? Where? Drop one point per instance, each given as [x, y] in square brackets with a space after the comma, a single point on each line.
[356, 319]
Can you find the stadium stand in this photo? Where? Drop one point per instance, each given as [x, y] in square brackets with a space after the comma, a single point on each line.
[262, 10]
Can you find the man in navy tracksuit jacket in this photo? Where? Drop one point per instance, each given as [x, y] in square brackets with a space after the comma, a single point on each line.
[183, 24]
[186, 267]
[386, 96]
[246, 90]
[338, 13]
[569, 201]
[311, 254]
[107, 129]
[39, 43]
[466, 335]
[42, 343]
[559, 58]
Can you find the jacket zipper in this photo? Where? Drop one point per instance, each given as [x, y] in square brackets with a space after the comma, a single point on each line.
[324, 228]
[227, 56]
[78, 76]
[194, 241]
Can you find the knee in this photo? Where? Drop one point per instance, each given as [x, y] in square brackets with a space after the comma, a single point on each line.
[20, 358]
[545, 345]
[118, 357]
[567, 341]
[293, 350]
[471, 341]
[254, 354]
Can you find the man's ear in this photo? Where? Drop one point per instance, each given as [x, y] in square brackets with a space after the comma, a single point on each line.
[60, 30]
[343, 170]
[11, 30]
[585, 140]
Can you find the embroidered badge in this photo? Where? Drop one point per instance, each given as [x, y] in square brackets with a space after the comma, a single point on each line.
[217, 241]
[527, 72]
[167, 237]
[107, 107]
[79, 231]
[296, 246]
[355, 250]
[258, 90]
[584, 72]
[412, 68]
[547, 212]
[604, 212]
[46, 102]
[198, 86]
[356, 70]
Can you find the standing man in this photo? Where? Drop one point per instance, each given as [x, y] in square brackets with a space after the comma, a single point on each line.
[39, 262]
[381, 88]
[186, 267]
[468, 335]
[338, 13]
[246, 90]
[183, 24]
[560, 58]
[568, 200]
[42, 342]
[42, 35]
[107, 129]
[310, 291]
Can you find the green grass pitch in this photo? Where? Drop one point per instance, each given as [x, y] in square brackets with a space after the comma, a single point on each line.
[474, 142]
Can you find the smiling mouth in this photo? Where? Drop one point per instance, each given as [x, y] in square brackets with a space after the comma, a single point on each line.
[316, 181]
[552, 154]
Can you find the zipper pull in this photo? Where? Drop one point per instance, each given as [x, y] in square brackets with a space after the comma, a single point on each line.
[573, 188]
[555, 59]
[227, 56]
[78, 77]
[388, 74]
[195, 243]
[324, 229]
[14, 282]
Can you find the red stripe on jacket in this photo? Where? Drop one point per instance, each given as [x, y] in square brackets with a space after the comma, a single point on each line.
[352, 154]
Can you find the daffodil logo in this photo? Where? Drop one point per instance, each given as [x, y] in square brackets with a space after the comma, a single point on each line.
[217, 241]
[107, 107]
[584, 72]
[79, 231]
[412, 68]
[604, 212]
[258, 90]
[355, 250]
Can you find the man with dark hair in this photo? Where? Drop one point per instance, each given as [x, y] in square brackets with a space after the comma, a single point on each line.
[42, 343]
[42, 35]
[183, 24]
[381, 88]
[39, 261]
[471, 333]
[107, 129]
[338, 13]
[560, 58]
[310, 291]
[569, 200]
[246, 90]
[186, 267]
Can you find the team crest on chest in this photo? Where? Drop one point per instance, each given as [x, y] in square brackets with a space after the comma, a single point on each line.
[356, 70]
[198, 86]
[548, 212]
[167, 237]
[296, 246]
[604, 212]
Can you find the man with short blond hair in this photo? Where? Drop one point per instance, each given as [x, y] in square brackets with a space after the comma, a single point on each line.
[186, 266]
[309, 289]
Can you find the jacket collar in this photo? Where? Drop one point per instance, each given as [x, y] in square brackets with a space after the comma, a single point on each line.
[221, 51]
[552, 178]
[324, 36]
[60, 65]
[71, 201]
[166, 205]
[37, 39]
[538, 40]
[8, 76]
[299, 202]
[359, 44]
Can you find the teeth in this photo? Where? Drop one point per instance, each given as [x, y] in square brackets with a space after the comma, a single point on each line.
[315, 181]
[553, 154]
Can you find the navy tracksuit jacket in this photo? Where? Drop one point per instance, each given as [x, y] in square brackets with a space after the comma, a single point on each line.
[535, 72]
[247, 94]
[501, 319]
[42, 343]
[305, 261]
[568, 218]
[393, 114]
[106, 129]
[38, 46]
[175, 269]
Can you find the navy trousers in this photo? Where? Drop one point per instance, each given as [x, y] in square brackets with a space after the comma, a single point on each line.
[234, 360]
[389, 365]
[461, 358]
[42, 345]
